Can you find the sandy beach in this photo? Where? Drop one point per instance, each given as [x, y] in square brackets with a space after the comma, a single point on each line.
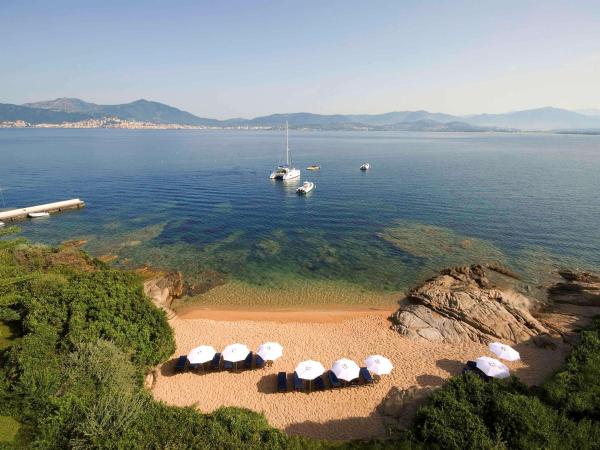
[324, 336]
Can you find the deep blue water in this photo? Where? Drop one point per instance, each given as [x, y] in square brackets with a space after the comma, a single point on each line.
[202, 200]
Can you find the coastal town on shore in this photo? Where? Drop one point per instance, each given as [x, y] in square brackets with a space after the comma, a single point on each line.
[115, 122]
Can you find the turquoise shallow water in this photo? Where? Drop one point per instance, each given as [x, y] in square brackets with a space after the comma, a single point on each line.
[201, 201]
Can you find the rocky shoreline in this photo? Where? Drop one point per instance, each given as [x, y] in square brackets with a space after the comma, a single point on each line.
[488, 303]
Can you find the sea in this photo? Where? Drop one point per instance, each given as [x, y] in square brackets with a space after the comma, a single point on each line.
[201, 202]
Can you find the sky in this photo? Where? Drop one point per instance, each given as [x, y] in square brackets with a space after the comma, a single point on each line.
[248, 58]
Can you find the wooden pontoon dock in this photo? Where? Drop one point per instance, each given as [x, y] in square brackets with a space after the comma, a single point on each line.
[16, 214]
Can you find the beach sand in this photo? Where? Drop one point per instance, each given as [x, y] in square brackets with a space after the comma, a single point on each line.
[324, 336]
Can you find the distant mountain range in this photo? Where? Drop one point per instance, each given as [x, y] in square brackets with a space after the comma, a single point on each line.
[75, 110]
[590, 112]
[140, 110]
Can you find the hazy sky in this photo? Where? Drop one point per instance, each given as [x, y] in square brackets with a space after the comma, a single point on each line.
[247, 58]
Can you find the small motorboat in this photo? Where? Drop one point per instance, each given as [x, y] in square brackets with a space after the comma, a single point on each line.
[306, 188]
[313, 167]
[38, 214]
[365, 166]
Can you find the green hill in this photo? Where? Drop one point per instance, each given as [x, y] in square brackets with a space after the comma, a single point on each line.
[11, 113]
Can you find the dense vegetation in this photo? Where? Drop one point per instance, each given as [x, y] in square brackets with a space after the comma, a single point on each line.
[74, 376]
[84, 335]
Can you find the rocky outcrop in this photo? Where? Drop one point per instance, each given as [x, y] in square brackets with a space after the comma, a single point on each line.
[402, 404]
[575, 302]
[578, 288]
[163, 289]
[150, 379]
[462, 304]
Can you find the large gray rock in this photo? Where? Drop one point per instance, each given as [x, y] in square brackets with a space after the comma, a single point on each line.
[462, 304]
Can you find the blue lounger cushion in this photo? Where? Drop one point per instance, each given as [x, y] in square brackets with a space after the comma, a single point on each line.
[248, 361]
[259, 363]
[319, 384]
[366, 375]
[227, 365]
[298, 383]
[181, 363]
[282, 382]
[477, 372]
[216, 361]
[333, 380]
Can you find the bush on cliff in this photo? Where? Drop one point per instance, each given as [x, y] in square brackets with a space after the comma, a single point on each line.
[576, 388]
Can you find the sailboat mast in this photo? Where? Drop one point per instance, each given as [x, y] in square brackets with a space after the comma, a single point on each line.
[287, 144]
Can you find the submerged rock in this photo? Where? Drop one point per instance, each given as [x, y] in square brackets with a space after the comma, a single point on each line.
[203, 282]
[462, 304]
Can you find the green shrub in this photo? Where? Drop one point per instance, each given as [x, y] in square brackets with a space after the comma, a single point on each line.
[454, 416]
[470, 413]
[576, 388]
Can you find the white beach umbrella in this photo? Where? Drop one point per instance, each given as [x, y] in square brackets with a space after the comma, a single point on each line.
[379, 365]
[309, 370]
[235, 352]
[492, 367]
[503, 351]
[270, 351]
[202, 354]
[345, 369]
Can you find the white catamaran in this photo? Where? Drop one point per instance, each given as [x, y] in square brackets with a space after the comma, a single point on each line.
[286, 171]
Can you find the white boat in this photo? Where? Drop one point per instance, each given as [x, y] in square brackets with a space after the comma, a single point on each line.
[306, 187]
[314, 167]
[365, 166]
[286, 171]
[38, 214]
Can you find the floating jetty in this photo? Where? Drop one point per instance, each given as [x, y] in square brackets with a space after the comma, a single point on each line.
[16, 214]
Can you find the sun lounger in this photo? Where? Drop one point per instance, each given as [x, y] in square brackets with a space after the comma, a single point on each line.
[366, 375]
[181, 363]
[282, 381]
[216, 362]
[471, 366]
[333, 380]
[227, 365]
[259, 363]
[248, 361]
[319, 383]
[298, 383]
